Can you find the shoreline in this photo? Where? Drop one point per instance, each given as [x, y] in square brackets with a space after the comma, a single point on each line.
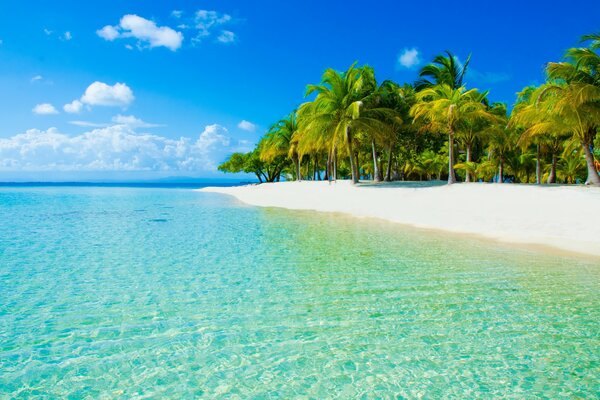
[561, 217]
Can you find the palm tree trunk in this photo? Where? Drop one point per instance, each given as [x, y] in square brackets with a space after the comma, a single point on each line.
[451, 175]
[388, 172]
[317, 168]
[468, 174]
[334, 164]
[297, 163]
[552, 175]
[350, 149]
[328, 167]
[376, 175]
[538, 167]
[592, 175]
[501, 172]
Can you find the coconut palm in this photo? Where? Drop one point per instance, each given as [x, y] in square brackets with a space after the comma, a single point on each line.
[501, 139]
[539, 126]
[339, 112]
[573, 94]
[444, 70]
[442, 109]
[571, 166]
[278, 141]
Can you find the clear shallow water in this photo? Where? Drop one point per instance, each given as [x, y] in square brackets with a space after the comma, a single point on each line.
[124, 293]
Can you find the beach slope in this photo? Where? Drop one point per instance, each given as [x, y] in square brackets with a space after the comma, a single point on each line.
[562, 217]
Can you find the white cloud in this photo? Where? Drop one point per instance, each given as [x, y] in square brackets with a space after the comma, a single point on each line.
[73, 107]
[101, 94]
[44, 109]
[205, 21]
[409, 58]
[145, 31]
[67, 35]
[247, 126]
[176, 13]
[36, 78]
[226, 37]
[109, 33]
[112, 148]
[133, 122]
[47, 31]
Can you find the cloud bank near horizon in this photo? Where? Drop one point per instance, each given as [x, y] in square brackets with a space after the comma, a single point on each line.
[114, 148]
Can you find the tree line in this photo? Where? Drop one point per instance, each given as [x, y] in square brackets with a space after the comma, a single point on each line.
[438, 128]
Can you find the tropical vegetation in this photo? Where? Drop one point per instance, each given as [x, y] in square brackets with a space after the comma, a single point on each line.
[438, 128]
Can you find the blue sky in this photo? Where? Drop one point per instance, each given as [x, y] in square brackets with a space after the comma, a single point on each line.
[162, 88]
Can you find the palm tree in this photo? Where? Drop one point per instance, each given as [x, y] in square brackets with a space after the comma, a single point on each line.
[573, 94]
[339, 111]
[442, 109]
[279, 141]
[399, 99]
[539, 126]
[501, 139]
[444, 70]
[571, 166]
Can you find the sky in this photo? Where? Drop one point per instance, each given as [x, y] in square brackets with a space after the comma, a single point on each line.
[143, 89]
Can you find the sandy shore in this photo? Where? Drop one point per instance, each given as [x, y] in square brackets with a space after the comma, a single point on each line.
[563, 217]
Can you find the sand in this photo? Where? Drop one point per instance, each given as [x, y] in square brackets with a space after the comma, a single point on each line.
[563, 217]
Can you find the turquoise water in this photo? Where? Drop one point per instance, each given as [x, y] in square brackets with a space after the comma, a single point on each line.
[144, 293]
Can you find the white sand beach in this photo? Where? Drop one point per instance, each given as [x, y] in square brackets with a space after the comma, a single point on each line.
[562, 217]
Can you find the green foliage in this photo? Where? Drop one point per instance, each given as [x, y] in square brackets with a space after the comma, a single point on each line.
[351, 127]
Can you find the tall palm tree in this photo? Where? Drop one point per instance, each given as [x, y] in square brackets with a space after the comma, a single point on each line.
[442, 109]
[279, 141]
[501, 139]
[573, 93]
[444, 70]
[339, 110]
[547, 130]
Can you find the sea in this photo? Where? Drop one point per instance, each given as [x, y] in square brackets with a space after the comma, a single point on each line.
[140, 290]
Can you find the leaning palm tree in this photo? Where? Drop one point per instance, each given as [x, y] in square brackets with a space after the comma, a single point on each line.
[444, 70]
[442, 109]
[279, 141]
[573, 93]
[339, 111]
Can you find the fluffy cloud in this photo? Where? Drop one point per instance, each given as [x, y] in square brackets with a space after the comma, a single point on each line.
[247, 126]
[226, 37]
[145, 31]
[36, 78]
[176, 13]
[113, 148]
[73, 107]
[67, 36]
[109, 33]
[409, 58]
[101, 94]
[44, 109]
